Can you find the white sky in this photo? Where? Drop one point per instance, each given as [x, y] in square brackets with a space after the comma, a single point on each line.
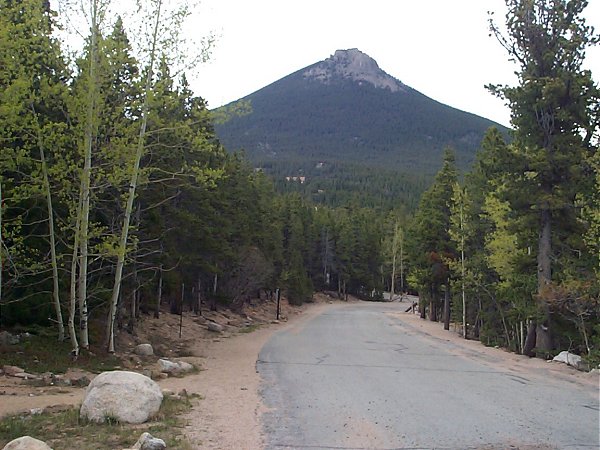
[439, 47]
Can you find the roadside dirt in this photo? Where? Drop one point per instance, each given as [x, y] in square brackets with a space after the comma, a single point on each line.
[228, 412]
[495, 357]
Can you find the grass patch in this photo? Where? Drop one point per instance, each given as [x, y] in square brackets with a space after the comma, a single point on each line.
[43, 353]
[65, 430]
[184, 352]
[250, 328]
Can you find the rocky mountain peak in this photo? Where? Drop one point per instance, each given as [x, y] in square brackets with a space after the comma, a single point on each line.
[354, 65]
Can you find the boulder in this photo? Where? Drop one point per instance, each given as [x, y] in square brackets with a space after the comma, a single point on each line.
[148, 442]
[570, 359]
[26, 376]
[125, 396]
[185, 366]
[174, 367]
[8, 339]
[26, 443]
[11, 371]
[168, 366]
[215, 327]
[144, 350]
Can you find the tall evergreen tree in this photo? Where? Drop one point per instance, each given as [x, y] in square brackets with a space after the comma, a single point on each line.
[430, 243]
[553, 113]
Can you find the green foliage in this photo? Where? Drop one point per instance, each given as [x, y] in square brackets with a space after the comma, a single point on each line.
[339, 184]
[430, 245]
[554, 110]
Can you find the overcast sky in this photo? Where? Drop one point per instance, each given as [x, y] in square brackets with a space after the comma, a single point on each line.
[439, 47]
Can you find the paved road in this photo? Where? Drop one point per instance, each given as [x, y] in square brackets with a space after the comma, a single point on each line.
[358, 377]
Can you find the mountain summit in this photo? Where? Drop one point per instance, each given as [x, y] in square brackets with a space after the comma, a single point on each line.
[345, 109]
[353, 65]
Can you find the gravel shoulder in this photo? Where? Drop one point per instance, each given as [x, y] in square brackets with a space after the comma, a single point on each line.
[227, 415]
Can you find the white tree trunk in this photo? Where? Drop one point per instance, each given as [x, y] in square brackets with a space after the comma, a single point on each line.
[393, 280]
[73, 287]
[402, 266]
[55, 286]
[86, 175]
[122, 250]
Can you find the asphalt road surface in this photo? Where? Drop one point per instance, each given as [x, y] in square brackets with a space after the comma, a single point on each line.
[358, 377]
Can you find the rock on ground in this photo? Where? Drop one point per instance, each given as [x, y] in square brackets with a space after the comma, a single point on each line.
[11, 371]
[571, 359]
[8, 339]
[144, 350]
[125, 396]
[213, 326]
[174, 367]
[26, 443]
[148, 442]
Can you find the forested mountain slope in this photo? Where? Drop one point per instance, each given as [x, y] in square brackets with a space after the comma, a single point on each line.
[347, 109]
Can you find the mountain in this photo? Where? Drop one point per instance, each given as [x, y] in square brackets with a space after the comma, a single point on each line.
[346, 109]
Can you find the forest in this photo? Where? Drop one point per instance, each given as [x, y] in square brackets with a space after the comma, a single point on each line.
[117, 196]
[511, 251]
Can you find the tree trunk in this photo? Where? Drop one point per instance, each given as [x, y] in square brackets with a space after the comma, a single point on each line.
[530, 340]
[392, 290]
[402, 268]
[133, 306]
[544, 263]
[422, 308]
[432, 311]
[462, 270]
[86, 176]
[54, 260]
[199, 299]
[73, 286]
[447, 308]
[521, 337]
[1, 248]
[159, 294]
[132, 187]
[213, 299]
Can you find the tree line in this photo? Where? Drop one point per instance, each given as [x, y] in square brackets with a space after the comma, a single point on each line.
[117, 195]
[511, 251]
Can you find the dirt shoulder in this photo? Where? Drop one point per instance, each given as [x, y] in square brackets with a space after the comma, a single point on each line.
[496, 357]
[228, 417]
[228, 414]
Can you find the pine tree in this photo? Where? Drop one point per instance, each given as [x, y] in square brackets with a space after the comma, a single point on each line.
[552, 111]
[430, 245]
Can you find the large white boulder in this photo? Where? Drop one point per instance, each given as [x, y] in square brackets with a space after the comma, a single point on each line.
[26, 443]
[125, 396]
[569, 358]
